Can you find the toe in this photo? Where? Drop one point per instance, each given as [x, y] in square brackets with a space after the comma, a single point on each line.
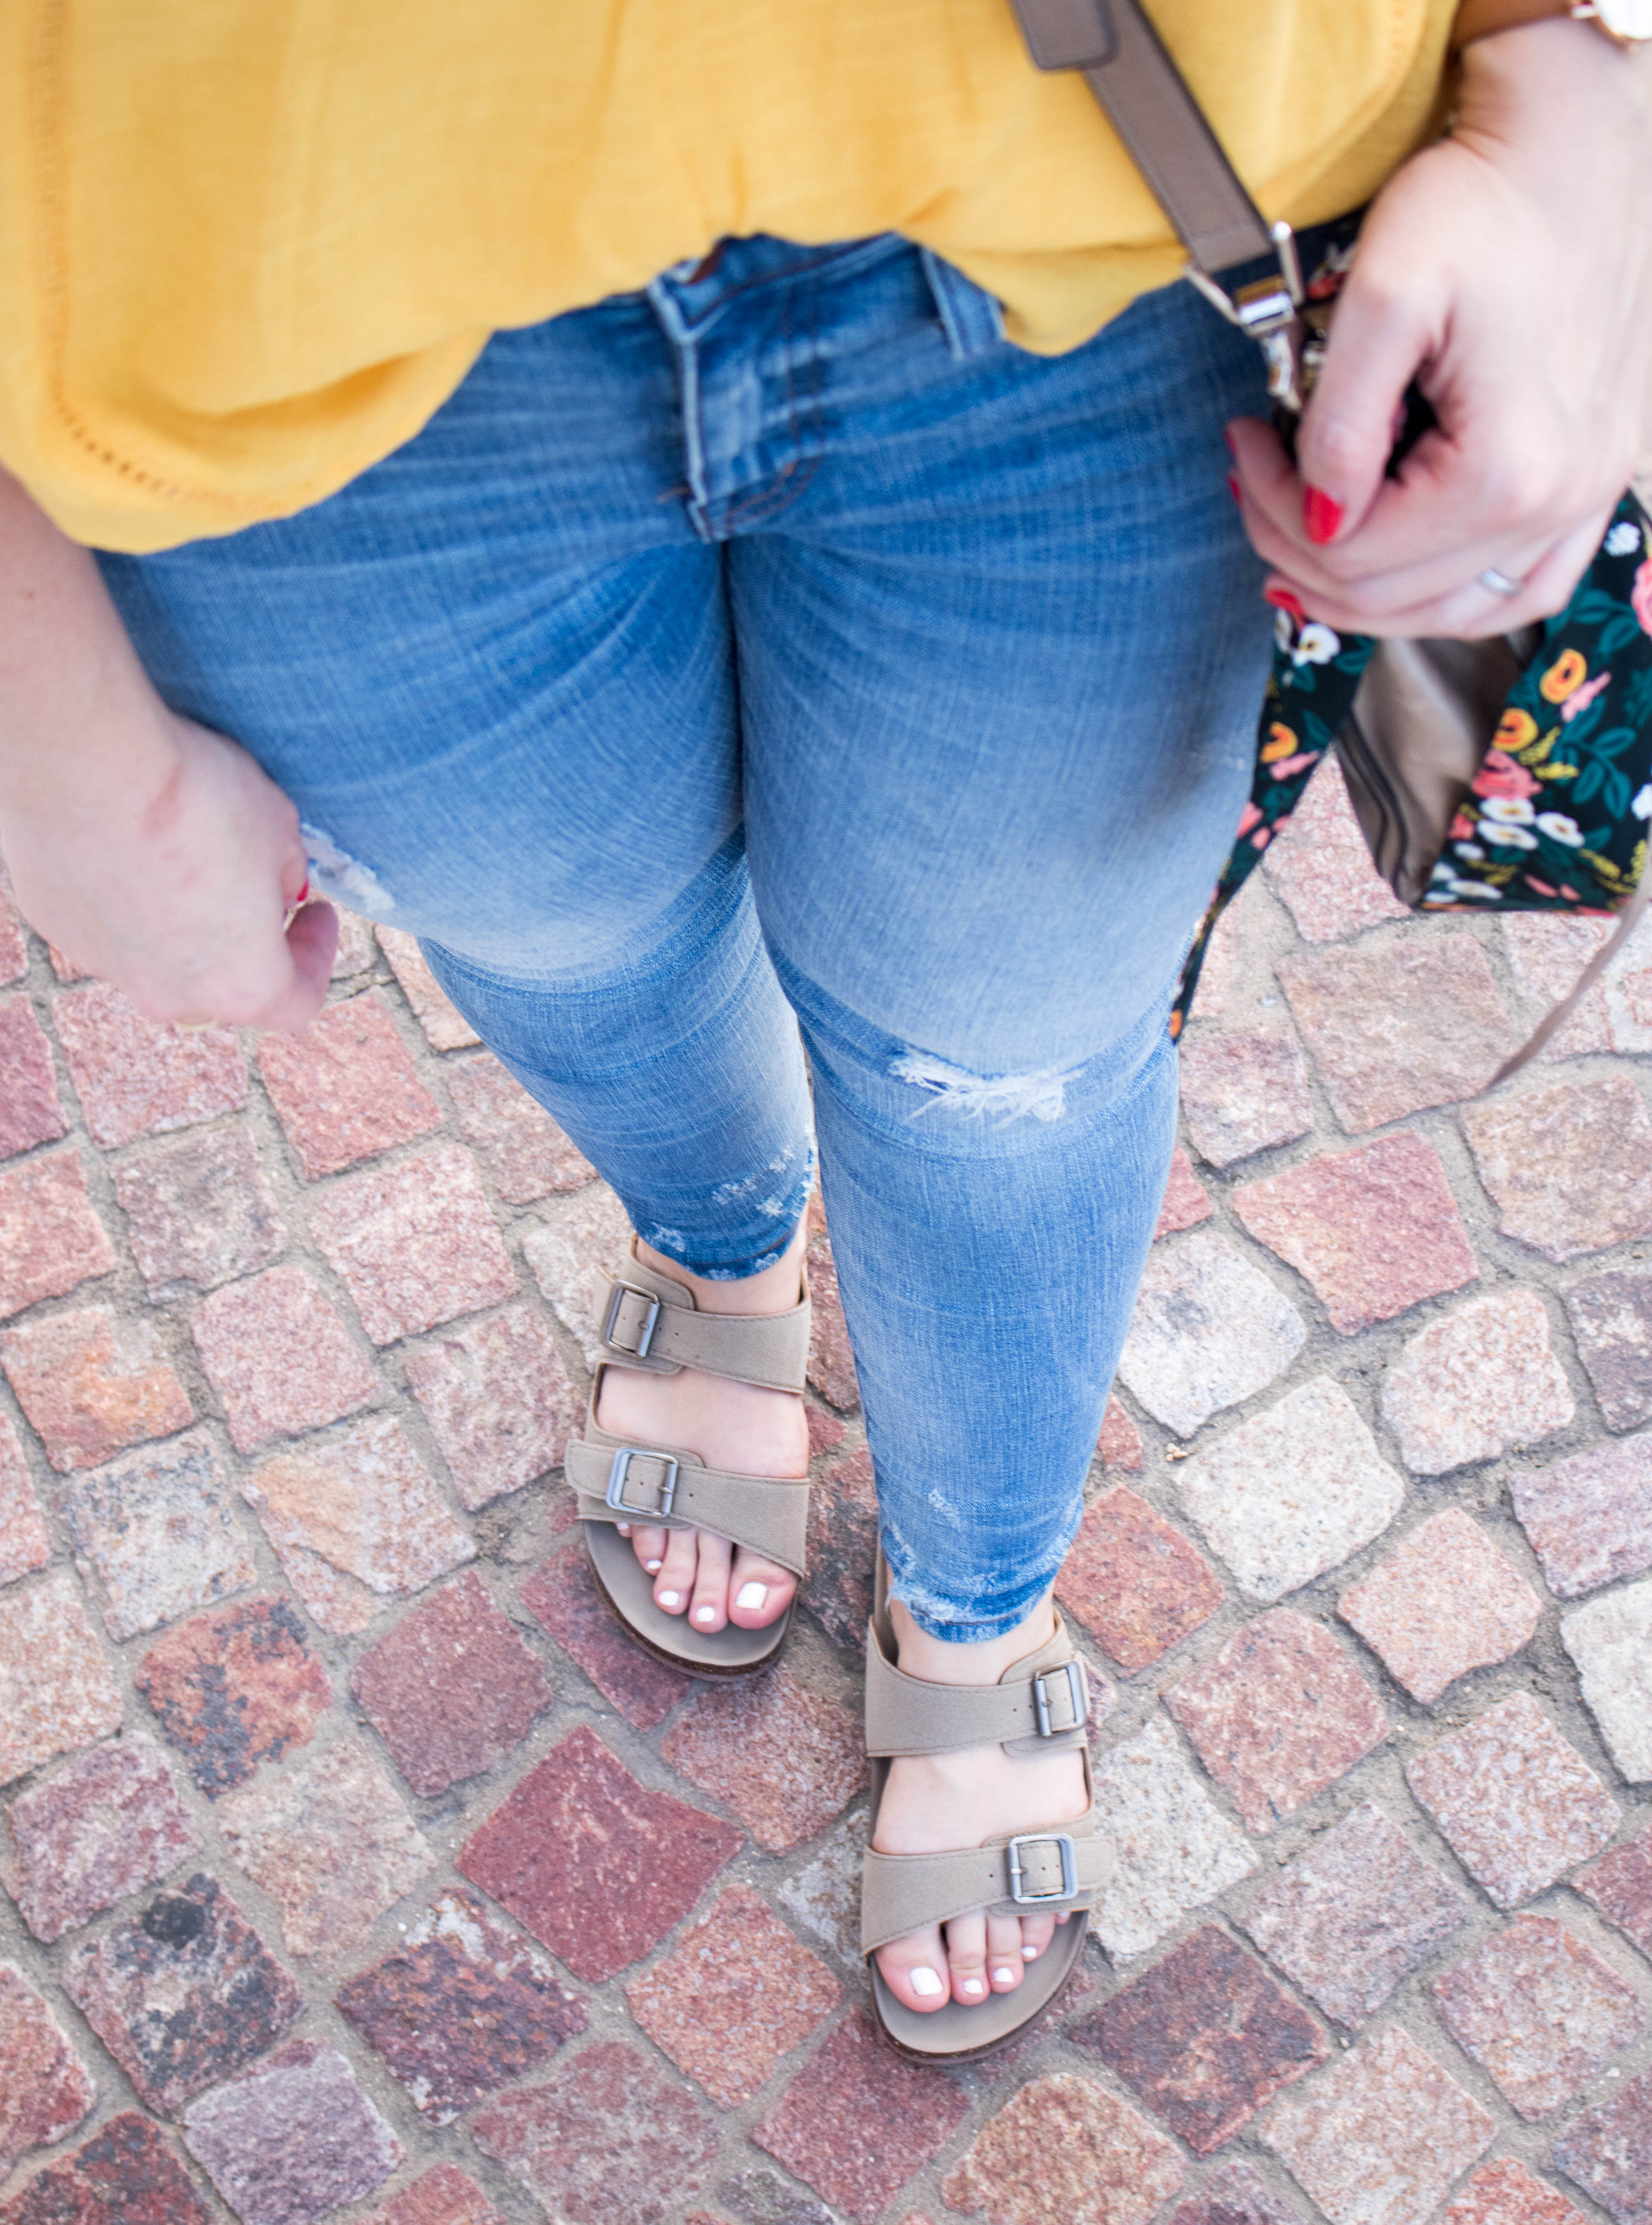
[914, 1969]
[710, 1608]
[650, 1545]
[966, 1956]
[676, 1577]
[1003, 1958]
[1036, 1933]
[758, 1591]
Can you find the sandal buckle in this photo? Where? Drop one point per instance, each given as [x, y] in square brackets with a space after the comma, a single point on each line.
[1078, 1697]
[1062, 1842]
[620, 1470]
[650, 1322]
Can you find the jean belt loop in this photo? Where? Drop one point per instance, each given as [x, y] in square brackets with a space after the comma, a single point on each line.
[970, 318]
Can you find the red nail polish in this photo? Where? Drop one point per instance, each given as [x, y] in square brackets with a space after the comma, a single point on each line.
[1234, 489]
[303, 895]
[1321, 516]
[1283, 600]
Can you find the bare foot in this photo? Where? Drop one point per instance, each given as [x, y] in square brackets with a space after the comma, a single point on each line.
[735, 1426]
[934, 1802]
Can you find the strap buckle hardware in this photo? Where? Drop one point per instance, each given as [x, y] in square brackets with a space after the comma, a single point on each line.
[651, 1318]
[1078, 1699]
[619, 1472]
[1061, 1841]
[1271, 310]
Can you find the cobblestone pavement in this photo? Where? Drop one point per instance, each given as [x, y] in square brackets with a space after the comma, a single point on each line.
[355, 1868]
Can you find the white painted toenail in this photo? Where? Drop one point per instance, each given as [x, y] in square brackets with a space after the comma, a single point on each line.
[653, 1568]
[1030, 1954]
[973, 1986]
[704, 1615]
[670, 1599]
[1003, 1977]
[924, 1984]
[750, 1596]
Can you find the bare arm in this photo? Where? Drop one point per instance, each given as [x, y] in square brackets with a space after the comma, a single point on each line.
[154, 852]
[1510, 269]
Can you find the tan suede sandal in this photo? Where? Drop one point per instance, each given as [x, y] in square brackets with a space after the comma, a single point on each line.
[1040, 1704]
[651, 1323]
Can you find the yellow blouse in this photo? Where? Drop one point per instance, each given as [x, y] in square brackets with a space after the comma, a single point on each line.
[247, 247]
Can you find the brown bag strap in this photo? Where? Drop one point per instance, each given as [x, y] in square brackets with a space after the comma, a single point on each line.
[1125, 64]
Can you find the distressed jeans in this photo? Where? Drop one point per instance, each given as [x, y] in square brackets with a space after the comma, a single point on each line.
[778, 659]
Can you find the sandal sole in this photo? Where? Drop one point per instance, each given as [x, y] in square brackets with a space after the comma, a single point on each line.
[706, 1667]
[958, 2017]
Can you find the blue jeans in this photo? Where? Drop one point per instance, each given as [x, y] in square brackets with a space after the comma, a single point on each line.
[780, 645]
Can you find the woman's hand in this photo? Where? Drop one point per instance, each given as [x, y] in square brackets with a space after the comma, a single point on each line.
[156, 855]
[1509, 271]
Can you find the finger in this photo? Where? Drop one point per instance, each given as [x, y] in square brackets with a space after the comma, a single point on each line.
[1380, 336]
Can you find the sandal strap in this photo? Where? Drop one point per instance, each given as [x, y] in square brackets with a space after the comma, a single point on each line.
[619, 1482]
[1040, 1704]
[649, 1321]
[1063, 1866]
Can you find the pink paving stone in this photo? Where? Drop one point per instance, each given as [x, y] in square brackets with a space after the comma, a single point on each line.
[158, 1528]
[446, 2196]
[451, 1689]
[1519, 1806]
[46, 2089]
[357, 1520]
[461, 2008]
[1321, 866]
[445, 1026]
[331, 1843]
[51, 1239]
[787, 1759]
[832, 1363]
[1546, 955]
[563, 1597]
[199, 1211]
[1612, 1319]
[63, 966]
[827, 1432]
[763, 2198]
[599, 2142]
[29, 1111]
[414, 1244]
[1590, 1518]
[499, 1400]
[357, 953]
[1619, 1883]
[595, 1865]
[93, 1381]
[109, 1824]
[183, 1995]
[1186, 1202]
[14, 945]
[1374, 1230]
[1397, 1023]
[56, 1692]
[1205, 2039]
[126, 2174]
[279, 1357]
[1119, 1446]
[1242, 1093]
[135, 1077]
[234, 1688]
[525, 1155]
[1064, 2147]
[1234, 2195]
[1569, 1168]
[1380, 2136]
[25, 1541]
[842, 1549]
[735, 1994]
[1506, 2194]
[347, 1088]
[293, 2139]
[1475, 1382]
[572, 1255]
[1355, 1914]
[857, 2122]
[1135, 1581]
[1279, 1713]
[1446, 1602]
[1607, 2151]
[1540, 2011]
